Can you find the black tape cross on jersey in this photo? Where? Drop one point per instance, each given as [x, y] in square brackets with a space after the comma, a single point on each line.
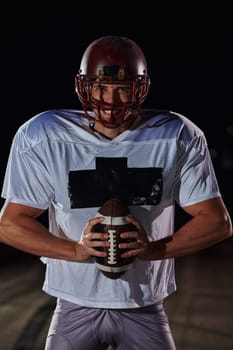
[112, 178]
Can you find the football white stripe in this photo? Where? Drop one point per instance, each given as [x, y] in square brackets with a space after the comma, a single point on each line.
[113, 220]
[113, 269]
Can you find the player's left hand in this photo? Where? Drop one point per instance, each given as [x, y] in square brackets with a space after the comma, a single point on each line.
[139, 240]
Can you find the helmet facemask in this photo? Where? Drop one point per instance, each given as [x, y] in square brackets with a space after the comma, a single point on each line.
[84, 85]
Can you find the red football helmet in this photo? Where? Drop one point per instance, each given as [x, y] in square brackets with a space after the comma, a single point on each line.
[113, 60]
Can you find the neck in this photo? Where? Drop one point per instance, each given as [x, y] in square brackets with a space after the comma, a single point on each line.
[109, 133]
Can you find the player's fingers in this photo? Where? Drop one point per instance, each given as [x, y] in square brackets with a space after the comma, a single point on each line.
[94, 243]
[131, 219]
[139, 235]
[135, 244]
[92, 236]
[92, 222]
[133, 252]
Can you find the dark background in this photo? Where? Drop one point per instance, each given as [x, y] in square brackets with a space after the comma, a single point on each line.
[188, 53]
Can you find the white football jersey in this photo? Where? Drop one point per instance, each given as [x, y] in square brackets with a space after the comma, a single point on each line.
[58, 163]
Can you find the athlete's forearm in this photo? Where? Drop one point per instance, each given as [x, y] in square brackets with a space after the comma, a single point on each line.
[29, 235]
[199, 233]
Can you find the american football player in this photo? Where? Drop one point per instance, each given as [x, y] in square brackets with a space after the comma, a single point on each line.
[70, 162]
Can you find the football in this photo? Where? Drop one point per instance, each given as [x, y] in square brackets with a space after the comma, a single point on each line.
[114, 212]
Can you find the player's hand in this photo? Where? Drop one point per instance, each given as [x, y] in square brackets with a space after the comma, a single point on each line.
[138, 240]
[90, 241]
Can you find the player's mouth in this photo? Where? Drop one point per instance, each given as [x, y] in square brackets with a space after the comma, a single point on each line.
[111, 117]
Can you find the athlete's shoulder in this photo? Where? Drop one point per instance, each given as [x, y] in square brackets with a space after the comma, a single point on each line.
[50, 119]
[168, 124]
[49, 125]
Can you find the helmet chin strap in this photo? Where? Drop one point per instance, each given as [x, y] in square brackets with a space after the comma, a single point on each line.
[108, 124]
[92, 127]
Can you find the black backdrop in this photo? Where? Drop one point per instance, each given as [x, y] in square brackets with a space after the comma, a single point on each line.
[189, 59]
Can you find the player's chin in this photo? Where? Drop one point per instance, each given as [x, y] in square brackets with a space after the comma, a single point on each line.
[110, 125]
[113, 121]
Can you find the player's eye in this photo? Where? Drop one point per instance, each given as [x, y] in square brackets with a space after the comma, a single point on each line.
[99, 88]
[125, 91]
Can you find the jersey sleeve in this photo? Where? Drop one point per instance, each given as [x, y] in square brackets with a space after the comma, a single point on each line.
[195, 178]
[27, 179]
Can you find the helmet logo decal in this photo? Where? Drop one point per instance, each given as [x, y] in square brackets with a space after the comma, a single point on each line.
[121, 73]
[101, 73]
[115, 72]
